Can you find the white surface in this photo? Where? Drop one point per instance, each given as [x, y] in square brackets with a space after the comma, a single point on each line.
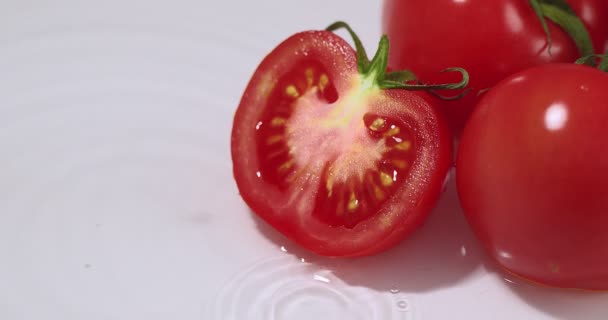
[116, 194]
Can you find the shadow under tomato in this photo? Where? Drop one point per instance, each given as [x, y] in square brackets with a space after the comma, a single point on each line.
[557, 303]
[440, 254]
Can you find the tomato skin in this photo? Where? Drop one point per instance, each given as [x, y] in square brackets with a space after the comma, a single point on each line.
[594, 14]
[490, 39]
[532, 175]
[408, 206]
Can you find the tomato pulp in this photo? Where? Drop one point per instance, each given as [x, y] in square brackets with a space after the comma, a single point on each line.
[328, 158]
[532, 175]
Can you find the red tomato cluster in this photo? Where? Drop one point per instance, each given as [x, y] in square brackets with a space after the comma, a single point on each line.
[347, 160]
[490, 39]
[532, 164]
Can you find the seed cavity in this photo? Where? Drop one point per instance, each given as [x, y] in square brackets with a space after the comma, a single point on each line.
[378, 193]
[340, 207]
[274, 139]
[276, 154]
[401, 164]
[287, 165]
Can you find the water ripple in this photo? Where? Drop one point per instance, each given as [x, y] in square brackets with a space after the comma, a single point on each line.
[283, 288]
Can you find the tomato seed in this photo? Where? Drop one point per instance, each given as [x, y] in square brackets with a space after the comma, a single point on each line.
[274, 139]
[377, 125]
[386, 179]
[278, 122]
[309, 73]
[393, 131]
[403, 146]
[353, 202]
[292, 91]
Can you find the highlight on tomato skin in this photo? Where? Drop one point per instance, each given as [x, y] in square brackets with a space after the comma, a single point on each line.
[532, 175]
[327, 157]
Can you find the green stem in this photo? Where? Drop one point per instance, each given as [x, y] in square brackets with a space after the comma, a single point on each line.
[562, 14]
[536, 5]
[401, 76]
[604, 63]
[377, 68]
[599, 61]
[374, 71]
[362, 60]
[388, 84]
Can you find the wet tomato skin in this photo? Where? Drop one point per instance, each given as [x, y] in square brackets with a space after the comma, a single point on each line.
[532, 175]
[339, 167]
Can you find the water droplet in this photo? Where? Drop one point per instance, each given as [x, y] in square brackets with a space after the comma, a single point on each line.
[394, 291]
[302, 259]
[504, 254]
[321, 278]
[258, 174]
[463, 251]
[259, 125]
[402, 305]
[283, 249]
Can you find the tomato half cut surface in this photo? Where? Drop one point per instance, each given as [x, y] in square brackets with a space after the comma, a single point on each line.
[329, 159]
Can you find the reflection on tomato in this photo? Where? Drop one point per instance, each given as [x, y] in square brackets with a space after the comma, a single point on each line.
[532, 175]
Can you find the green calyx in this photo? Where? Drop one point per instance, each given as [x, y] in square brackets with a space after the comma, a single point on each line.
[560, 12]
[375, 70]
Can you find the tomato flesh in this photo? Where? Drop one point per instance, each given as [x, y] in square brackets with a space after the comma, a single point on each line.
[307, 82]
[349, 197]
[532, 175]
[328, 158]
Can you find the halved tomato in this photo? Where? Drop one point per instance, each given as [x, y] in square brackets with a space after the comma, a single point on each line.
[328, 157]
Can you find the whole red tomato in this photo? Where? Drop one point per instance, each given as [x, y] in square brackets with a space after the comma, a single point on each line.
[491, 39]
[327, 156]
[532, 175]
